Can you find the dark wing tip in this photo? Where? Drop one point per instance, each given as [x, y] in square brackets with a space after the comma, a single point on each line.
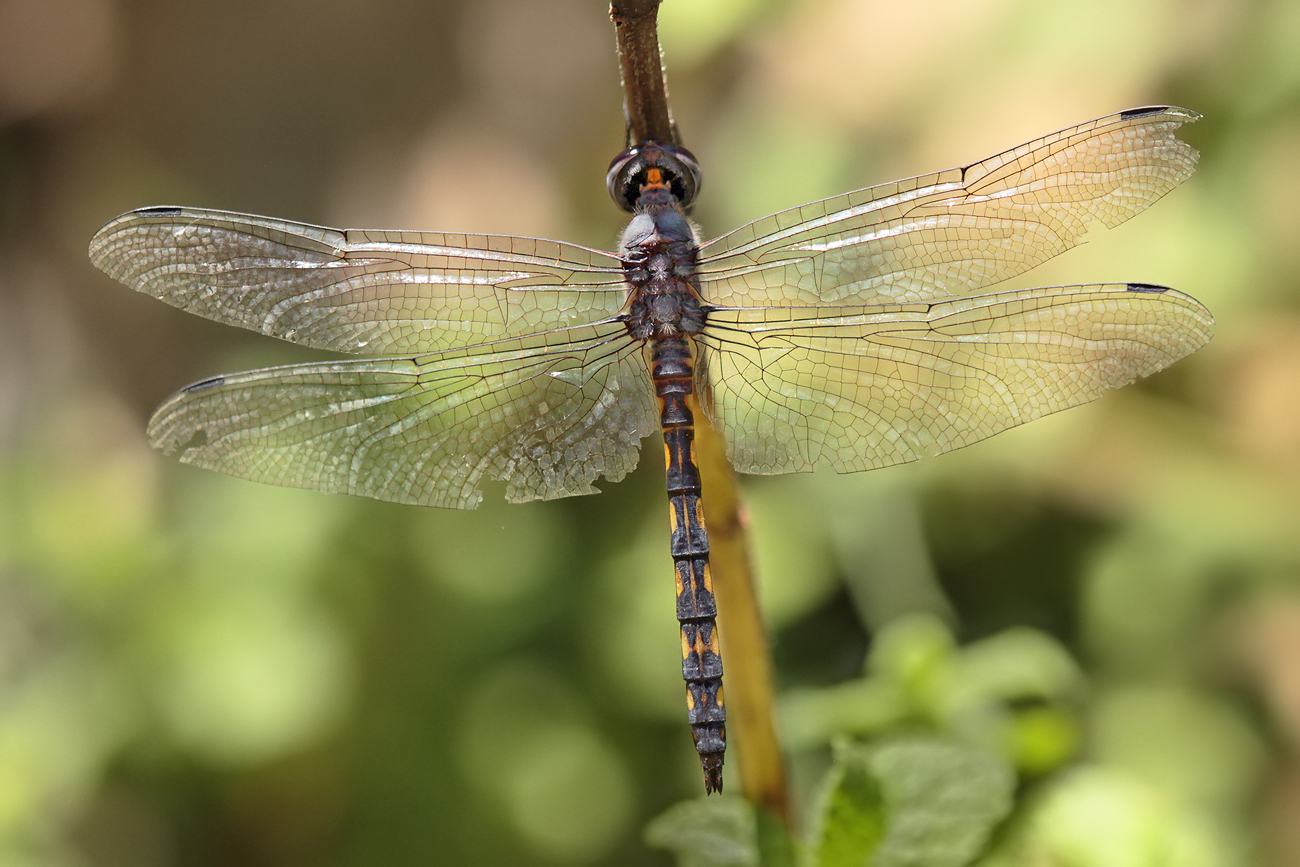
[204, 384]
[100, 243]
[1152, 288]
[1187, 115]
[1144, 111]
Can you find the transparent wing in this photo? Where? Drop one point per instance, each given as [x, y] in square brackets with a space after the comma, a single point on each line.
[859, 388]
[956, 231]
[373, 292]
[546, 417]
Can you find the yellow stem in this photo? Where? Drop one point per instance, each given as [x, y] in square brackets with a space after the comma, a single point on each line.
[747, 659]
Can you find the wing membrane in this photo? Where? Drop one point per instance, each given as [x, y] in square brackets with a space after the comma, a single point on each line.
[956, 231]
[859, 388]
[837, 335]
[373, 292]
[546, 420]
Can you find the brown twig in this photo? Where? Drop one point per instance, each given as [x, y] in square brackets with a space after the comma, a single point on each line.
[645, 98]
[745, 650]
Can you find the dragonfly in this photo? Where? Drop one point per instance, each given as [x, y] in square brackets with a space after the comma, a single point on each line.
[855, 332]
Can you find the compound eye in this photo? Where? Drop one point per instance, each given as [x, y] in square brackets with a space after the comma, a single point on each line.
[685, 173]
[620, 180]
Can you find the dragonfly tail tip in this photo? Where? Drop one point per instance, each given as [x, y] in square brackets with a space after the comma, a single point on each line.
[712, 765]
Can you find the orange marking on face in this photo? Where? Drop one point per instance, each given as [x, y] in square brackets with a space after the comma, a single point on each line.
[654, 180]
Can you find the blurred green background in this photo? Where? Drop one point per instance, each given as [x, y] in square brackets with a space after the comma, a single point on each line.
[201, 671]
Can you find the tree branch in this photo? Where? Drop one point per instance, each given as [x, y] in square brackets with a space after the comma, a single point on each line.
[645, 100]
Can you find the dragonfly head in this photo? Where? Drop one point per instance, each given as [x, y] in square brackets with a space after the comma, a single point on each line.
[654, 171]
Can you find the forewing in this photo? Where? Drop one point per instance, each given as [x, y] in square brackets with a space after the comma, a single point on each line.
[956, 231]
[859, 388]
[544, 417]
[369, 292]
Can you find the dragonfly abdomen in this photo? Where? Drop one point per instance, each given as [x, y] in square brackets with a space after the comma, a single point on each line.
[696, 607]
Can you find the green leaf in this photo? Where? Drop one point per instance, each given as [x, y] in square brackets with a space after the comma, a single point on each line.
[708, 832]
[942, 801]
[1017, 663]
[851, 813]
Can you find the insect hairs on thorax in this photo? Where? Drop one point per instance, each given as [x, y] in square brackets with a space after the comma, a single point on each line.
[659, 249]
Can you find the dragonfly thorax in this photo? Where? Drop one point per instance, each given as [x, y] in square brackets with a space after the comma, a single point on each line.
[658, 252]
